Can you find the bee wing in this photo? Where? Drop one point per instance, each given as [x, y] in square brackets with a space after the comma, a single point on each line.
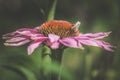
[76, 25]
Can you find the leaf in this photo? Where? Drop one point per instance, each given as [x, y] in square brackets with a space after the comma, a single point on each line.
[54, 68]
[28, 74]
[51, 13]
[24, 72]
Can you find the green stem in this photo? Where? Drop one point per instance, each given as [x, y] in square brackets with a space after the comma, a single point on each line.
[60, 72]
[57, 57]
[51, 56]
[51, 13]
[83, 66]
[46, 52]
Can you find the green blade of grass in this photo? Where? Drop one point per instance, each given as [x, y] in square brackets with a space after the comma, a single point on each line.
[51, 13]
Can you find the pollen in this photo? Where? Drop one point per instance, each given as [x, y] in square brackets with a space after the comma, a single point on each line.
[59, 27]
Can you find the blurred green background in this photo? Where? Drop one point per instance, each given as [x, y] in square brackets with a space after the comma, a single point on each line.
[89, 64]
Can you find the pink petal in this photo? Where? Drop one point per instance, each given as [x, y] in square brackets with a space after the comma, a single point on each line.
[22, 31]
[25, 33]
[53, 41]
[27, 29]
[8, 35]
[38, 36]
[88, 42]
[34, 45]
[80, 46]
[53, 37]
[55, 45]
[105, 45]
[93, 40]
[15, 39]
[99, 35]
[70, 42]
[37, 28]
[16, 44]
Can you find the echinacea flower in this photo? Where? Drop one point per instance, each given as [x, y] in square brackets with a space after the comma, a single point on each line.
[56, 33]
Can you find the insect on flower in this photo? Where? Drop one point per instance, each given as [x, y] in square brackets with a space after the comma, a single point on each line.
[56, 33]
[60, 28]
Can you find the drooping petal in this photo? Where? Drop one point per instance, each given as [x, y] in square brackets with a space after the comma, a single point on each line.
[71, 42]
[99, 35]
[34, 45]
[27, 29]
[94, 40]
[9, 35]
[88, 42]
[38, 36]
[23, 32]
[16, 44]
[15, 39]
[105, 45]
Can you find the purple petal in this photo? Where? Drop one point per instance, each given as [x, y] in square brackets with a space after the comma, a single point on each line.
[99, 35]
[23, 31]
[53, 37]
[16, 39]
[9, 35]
[16, 44]
[55, 45]
[53, 41]
[105, 45]
[34, 45]
[37, 28]
[80, 46]
[88, 42]
[93, 40]
[70, 42]
[28, 29]
[38, 36]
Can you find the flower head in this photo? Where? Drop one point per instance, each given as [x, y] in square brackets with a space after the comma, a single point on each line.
[56, 33]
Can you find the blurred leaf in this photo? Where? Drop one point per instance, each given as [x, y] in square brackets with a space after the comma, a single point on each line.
[7, 73]
[51, 13]
[55, 68]
[24, 72]
[28, 74]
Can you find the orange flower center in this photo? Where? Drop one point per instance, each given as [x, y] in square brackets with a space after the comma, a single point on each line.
[59, 27]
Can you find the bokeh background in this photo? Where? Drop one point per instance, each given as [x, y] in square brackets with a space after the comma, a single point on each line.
[91, 64]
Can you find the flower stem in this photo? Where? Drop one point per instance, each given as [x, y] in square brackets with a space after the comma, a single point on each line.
[57, 57]
[51, 56]
[46, 52]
